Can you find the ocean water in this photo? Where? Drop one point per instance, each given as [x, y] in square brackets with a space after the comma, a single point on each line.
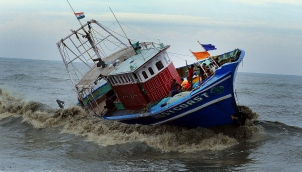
[35, 135]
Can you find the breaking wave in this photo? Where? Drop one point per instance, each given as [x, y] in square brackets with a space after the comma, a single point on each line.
[75, 120]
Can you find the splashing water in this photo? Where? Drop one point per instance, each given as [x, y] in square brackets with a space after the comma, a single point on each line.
[75, 120]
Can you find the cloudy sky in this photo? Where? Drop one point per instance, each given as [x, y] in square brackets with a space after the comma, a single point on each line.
[270, 31]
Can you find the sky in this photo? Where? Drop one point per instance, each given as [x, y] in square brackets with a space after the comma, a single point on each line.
[269, 31]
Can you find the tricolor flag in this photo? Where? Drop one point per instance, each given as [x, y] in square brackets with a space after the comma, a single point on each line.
[79, 15]
[208, 47]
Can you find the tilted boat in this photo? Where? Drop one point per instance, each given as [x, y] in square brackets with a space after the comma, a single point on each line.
[132, 84]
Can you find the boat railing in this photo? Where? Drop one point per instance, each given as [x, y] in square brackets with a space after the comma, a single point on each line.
[231, 56]
[95, 94]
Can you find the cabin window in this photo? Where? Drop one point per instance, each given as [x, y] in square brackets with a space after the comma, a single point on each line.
[134, 76]
[121, 79]
[151, 70]
[109, 79]
[131, 78]
[117, 80]
[159, 65]
[113, 80]
[138, 76]
[125, 78]
[128, 78]
[145, 74]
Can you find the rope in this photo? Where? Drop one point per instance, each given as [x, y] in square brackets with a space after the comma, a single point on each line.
[67, 56]
[76, 71]
[173, 54]
[88, 101]
[90, 92]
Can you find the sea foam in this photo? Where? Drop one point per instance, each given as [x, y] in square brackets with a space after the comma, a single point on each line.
[77, 121]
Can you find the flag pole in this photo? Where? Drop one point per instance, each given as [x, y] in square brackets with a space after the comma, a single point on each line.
[74, 13]
[194, 55]
[201, 46]
[210, 56]
[90, 40]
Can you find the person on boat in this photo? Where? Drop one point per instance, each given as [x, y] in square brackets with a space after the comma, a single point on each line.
[201, 73]
[213, 68]
[190, 73]
[216, 62]
[110, 99]
[175, 87]
[184, 84]
[207, 70]
[109, 106]
[100, 63]
[204, 68]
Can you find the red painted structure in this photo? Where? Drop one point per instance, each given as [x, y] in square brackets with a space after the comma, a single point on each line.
[136, 96]
[159, 86]
[131, 96]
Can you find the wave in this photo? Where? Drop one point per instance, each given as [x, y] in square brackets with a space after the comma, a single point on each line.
[19, 77]
[75, 120]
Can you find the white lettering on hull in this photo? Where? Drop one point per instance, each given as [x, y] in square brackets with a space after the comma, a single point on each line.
[183, 105]
[192, 110]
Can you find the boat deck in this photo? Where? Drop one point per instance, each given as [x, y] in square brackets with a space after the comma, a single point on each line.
[100, 109]
[95, 72]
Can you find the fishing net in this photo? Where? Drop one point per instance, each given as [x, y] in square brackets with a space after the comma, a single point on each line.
[178, 96]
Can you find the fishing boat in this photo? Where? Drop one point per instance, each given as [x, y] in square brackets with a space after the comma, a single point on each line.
[131, 83]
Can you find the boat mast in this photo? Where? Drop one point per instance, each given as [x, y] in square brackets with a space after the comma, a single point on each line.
[92, 42]
[95, 49]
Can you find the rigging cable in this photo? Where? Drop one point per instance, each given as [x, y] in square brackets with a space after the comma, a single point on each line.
[137, 32]
[82, 44]
[118, 23]
[74, 68]
[117, 46]
[115, 43]
[96, 45]
[173, 54]
[93, 36]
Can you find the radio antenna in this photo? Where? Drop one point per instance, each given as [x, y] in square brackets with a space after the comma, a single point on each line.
[119, 23]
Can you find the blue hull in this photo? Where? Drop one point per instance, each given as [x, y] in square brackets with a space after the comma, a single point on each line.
[211, 104]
